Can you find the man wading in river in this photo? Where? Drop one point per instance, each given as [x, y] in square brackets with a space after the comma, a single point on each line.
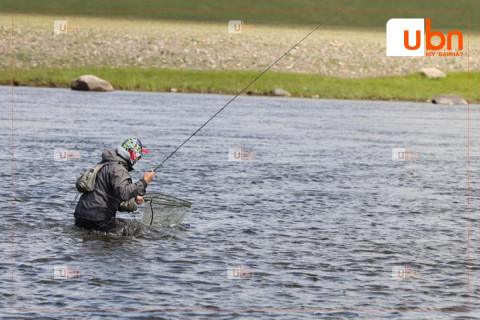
[114, 190]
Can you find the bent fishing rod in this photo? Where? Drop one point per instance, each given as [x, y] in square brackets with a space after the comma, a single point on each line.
[241, 91]
[235, 97]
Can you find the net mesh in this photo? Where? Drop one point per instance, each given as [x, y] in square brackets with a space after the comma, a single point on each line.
[163, 210]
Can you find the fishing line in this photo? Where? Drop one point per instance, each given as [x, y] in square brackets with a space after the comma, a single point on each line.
[243, 90]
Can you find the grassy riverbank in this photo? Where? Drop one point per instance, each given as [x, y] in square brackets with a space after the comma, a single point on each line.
[192, 51]
[413, 87]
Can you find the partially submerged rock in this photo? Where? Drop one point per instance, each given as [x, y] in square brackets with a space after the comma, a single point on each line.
[281, 93]
[450, 99]
[432, 73]
[90, 83]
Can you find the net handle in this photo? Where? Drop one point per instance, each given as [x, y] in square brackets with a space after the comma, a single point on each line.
[151, 210]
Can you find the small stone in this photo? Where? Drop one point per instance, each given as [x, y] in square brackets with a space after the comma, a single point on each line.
[173, 90]
[315, 96]
[432, 73]
[281, 93]
[449, 99]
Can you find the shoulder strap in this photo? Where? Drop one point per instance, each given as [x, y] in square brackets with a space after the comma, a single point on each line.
[110, 162]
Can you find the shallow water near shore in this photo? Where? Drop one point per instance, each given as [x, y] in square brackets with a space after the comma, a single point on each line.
[318, 219]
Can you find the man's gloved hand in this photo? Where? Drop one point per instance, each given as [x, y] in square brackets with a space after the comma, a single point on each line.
[139, 200]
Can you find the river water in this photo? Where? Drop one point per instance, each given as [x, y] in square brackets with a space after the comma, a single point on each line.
[321, 220]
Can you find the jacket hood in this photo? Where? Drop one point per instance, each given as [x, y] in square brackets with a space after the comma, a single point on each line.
[112, 156]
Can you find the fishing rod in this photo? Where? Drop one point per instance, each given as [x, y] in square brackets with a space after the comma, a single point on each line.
[235, 97]
[243, 90]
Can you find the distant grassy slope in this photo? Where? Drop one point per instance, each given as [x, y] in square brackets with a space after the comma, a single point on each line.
[414, 87]
[298, 17]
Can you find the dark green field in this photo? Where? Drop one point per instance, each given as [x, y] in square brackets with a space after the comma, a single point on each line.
[293, 12]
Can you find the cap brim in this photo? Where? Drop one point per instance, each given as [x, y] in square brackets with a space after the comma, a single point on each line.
[145, 151]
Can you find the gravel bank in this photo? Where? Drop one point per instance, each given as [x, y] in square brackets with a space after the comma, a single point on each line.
[171, 45]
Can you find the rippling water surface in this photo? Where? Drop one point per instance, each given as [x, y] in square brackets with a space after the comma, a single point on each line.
[318, 219]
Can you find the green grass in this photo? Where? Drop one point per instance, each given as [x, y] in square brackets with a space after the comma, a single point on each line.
[294, 12]
[413, 87]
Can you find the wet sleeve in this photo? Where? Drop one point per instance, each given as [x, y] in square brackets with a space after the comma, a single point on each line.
[123, 186]
[129, 206]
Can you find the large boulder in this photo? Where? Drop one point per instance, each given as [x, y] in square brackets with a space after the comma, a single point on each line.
[449, 99]
[90, 82]
[432, 73]
[280, 93]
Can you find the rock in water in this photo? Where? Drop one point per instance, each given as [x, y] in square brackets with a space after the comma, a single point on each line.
[449, 99]
[432, 73]
[281, 93]
[90, 83]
